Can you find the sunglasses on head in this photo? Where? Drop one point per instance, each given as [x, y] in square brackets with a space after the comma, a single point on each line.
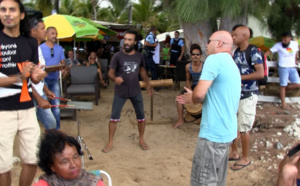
[196, 54]
[52, 52]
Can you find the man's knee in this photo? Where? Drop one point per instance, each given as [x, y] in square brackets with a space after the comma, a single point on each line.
[287, 175]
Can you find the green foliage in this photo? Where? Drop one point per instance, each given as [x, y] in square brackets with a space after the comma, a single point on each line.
[192, 10]
[284, 17]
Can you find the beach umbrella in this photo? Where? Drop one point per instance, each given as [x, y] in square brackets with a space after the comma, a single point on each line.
[262, 42]
[69, 26]
[102, 29]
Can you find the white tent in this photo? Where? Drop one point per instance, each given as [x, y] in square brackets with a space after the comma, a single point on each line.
[161, 37]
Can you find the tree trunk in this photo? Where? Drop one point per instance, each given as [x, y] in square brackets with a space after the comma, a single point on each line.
[227, 23]
[56, 6]
[95, 12]
[197, 33]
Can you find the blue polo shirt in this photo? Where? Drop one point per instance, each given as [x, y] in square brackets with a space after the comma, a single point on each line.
[52, 60]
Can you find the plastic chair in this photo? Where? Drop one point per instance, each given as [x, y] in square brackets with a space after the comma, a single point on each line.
[100, 173]
[84, 80]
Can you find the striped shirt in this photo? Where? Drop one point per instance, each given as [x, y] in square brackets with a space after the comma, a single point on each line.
[15, 53]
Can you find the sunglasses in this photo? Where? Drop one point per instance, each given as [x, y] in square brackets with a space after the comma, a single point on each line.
[216, 40]
[52, 52]
[197, 54]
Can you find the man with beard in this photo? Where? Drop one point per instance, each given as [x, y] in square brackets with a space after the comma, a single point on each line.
[18, 68]
[124, 70]
[287, 51]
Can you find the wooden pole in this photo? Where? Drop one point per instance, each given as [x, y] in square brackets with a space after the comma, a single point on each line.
[157, 83]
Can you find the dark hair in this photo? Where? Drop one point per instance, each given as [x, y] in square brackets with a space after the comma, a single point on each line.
[152, 28]
[177, 32]
[251, 32]
[53, 142]
[50, 27]
[24, 25]
[135, 37]
[195, 46]
[240, 25]
[33, 22]
[236, 26]
[286, 34]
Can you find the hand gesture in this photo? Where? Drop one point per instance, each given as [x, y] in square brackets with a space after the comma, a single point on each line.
[44, 104]
[37, 74]
[119, 80]
[186, 97]
[50, 94]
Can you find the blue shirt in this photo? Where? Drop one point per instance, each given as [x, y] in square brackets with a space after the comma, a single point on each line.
[150, 38]
[220, 106]
[55, 60]
[241, 61]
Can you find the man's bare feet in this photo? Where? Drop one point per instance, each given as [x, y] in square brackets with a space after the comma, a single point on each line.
[285, 106]
[144, 146]
[178, 123]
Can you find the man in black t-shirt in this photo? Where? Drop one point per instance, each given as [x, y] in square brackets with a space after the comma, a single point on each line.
[124, 70]
[18, 59]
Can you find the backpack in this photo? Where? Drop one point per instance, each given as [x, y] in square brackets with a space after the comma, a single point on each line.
[264, 80]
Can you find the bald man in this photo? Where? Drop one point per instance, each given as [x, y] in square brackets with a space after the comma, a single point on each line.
[219, 90]
[250, 72]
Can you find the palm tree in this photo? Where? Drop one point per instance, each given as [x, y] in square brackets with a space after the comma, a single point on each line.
[115, 11]
[199, 18]
[94, 4]
[45, 6]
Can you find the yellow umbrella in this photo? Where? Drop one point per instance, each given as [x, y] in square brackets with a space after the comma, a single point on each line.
[263, 43]
[70, 26]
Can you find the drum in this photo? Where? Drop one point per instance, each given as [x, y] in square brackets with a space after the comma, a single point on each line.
[194, 112]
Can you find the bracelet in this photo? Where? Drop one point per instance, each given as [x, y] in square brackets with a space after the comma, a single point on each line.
[19, 79]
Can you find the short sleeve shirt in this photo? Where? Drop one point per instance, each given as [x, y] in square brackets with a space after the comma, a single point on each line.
[15, 52]
[128, 67]
[180, 43]
[52, 60]
[150, 38]
[244, 67]
[219, 119]
[287, 56]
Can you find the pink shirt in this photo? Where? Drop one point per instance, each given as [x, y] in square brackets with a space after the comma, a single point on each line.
[42, 182]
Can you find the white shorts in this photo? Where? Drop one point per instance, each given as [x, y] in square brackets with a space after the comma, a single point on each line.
[246, 113]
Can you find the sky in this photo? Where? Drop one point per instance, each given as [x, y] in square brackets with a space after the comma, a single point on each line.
[105, 3]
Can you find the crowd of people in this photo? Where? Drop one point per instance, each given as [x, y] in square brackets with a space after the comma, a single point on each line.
[27, 94]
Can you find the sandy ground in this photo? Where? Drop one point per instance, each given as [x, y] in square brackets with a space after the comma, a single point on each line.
[169, 160]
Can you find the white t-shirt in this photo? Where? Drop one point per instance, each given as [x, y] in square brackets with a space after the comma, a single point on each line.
[39, 87]
[287, 55]
[156, 55]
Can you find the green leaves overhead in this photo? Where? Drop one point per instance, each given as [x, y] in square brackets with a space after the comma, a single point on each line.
[192, 10]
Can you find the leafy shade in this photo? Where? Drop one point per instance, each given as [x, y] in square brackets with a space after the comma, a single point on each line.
[284, 17]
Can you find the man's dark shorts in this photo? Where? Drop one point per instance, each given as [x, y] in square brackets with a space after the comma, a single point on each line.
[119, 102]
